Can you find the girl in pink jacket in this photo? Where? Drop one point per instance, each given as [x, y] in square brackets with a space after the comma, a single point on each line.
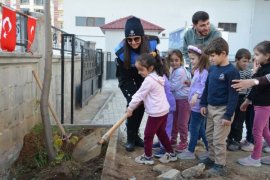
[152, 94]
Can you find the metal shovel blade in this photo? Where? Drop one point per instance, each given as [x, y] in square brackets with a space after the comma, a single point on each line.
[88, 147]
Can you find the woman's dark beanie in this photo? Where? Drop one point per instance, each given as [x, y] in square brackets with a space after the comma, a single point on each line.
[134, 27]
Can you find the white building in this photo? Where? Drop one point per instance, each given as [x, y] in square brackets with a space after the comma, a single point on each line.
[38, 6]
[246, 20]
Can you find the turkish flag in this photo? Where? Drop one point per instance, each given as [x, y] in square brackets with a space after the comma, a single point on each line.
[31, 29]
[8, 32]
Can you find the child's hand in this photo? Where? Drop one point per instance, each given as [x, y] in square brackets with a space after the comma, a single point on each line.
[256, 66]
[241, 84]
[129, 112]
[203, 111]
[193, 100]
[244, 105]
[226, 122]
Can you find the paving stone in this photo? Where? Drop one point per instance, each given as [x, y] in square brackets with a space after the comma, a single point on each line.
[194, 171]
[172, 174]
[160, 168]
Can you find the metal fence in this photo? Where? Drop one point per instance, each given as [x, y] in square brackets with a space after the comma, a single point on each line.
[91, 73]
[91, 68]
[56, 41]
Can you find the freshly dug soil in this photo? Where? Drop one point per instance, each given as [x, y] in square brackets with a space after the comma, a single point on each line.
[32, 162]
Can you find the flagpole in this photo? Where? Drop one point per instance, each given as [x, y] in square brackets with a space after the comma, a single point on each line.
[19, 12]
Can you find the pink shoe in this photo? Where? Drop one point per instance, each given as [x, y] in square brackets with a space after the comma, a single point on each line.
[181, 147]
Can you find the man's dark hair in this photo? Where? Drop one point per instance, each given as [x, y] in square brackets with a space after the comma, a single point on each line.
[217, 46]
[199, 16]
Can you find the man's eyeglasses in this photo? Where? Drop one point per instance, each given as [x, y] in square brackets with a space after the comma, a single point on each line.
[135, 39]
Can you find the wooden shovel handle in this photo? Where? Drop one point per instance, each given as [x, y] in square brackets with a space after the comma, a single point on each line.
[50, 106]
[108, 134]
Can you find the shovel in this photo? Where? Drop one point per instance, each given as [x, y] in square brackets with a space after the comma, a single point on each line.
[90, 146]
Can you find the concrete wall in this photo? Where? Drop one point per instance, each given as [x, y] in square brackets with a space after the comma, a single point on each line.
[20, 97]
[19, 106]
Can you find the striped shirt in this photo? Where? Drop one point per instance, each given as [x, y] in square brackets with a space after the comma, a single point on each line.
[245, 74]
[268, 77]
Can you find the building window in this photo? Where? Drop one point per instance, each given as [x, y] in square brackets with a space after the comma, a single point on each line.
[25, 10]
[39, 2]
[24, 1]
[230, 27]
[39, 10]
[90, 21]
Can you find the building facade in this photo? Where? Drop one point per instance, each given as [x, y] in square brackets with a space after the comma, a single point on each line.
[242, 19]
[38, 6]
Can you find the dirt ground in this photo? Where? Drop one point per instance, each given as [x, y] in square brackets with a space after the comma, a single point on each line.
[129, 169]
[29, 166]
[31, 163]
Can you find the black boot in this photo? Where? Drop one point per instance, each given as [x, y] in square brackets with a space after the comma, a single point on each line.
[130, 141]
[138, 141]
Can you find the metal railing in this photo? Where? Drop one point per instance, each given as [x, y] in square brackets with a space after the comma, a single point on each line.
[22, 38]
[56, 40]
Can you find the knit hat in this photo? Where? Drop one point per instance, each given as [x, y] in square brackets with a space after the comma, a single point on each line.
[134, 27]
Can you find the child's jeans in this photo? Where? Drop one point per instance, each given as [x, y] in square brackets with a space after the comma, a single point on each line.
[180, 120]
[249, 123]
[260, 129]
[196, 129]
[156, 125]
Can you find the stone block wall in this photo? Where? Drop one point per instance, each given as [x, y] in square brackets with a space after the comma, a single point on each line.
[20, 99]
[19, 107]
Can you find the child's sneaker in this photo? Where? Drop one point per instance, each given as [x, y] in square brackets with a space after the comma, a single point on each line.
[168, 157]
[186, 154]
[144, 160]
[159, 153]
[249, 161]
[207, 162]
[203, 155]
[247, 146]
[265, 160]
[234, 146]
[181, 147]
[217, 170]
[266, 149]
[156, 145]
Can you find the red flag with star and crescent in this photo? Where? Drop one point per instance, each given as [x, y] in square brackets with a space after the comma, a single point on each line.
[31, 29]
[8, 32]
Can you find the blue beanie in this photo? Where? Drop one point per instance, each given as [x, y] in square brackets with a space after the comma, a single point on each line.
[134, 27]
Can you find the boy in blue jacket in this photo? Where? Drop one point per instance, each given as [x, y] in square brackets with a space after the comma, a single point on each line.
[218, 103]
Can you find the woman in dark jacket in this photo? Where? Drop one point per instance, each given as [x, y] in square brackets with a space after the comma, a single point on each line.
[134, 44]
